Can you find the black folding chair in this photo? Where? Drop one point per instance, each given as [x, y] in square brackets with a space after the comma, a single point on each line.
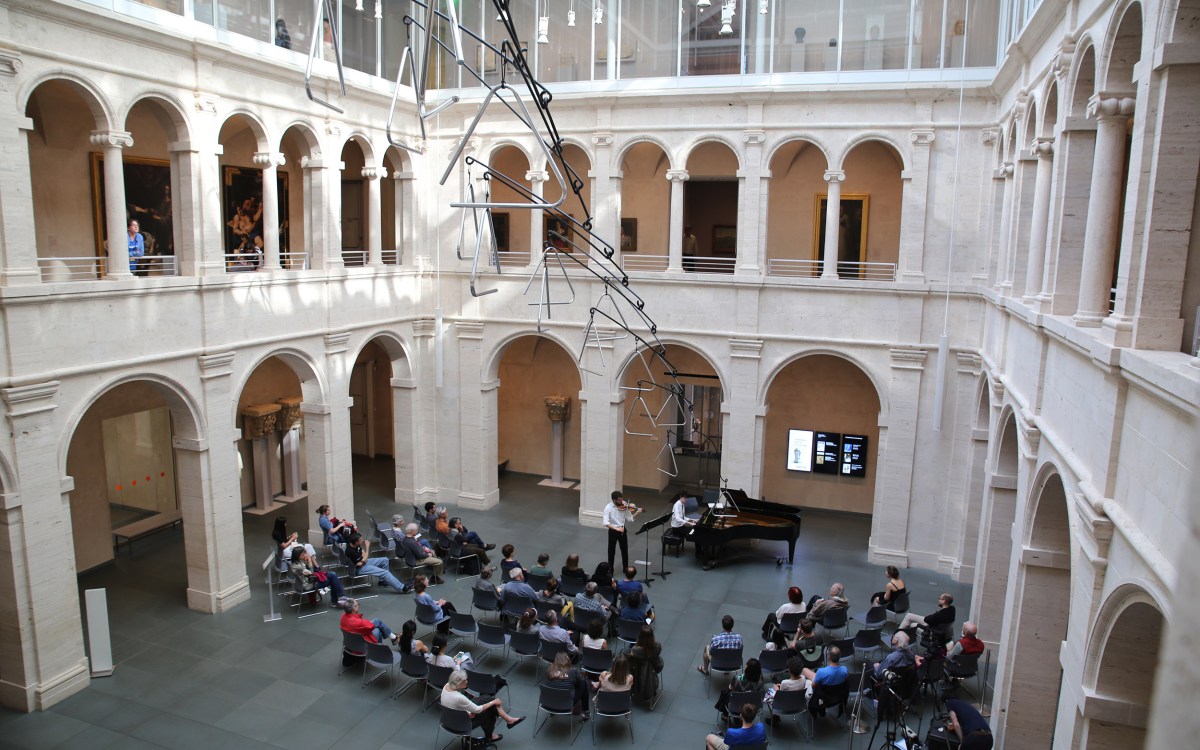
[614, 704]
[556, 702]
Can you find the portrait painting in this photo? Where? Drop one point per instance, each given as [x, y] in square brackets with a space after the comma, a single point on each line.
[242, 207]
[147, 201]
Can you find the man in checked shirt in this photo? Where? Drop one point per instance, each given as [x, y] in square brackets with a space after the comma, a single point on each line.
[725, 639]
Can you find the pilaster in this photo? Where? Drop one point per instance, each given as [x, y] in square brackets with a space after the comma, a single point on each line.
[478, 421]
[914, 212]
[893, 484]
[752, 200]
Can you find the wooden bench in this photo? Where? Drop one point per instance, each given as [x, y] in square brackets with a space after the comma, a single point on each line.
[144, 527]
[502, 466]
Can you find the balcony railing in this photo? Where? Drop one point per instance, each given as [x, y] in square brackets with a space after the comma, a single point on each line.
[91, 267]
[811, 269]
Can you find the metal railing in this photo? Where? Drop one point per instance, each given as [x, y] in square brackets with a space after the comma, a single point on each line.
[391, 257]
[91, 267]
[357, 258]
[708, 264]
[812, 269]
[295, 260]
[242, 262]
[508, 259]
[643, 262]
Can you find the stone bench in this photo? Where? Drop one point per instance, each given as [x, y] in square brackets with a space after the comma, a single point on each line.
[144, 527]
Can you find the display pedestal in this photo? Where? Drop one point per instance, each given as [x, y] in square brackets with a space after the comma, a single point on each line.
[831, 56]
[558, 408]
[799, 58]
[873, 55]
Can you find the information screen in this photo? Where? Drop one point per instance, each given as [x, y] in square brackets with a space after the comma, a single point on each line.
[827, 452]
[799, 450]
[854, 455]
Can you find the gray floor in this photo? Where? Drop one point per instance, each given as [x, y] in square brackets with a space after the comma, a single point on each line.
[188, 680]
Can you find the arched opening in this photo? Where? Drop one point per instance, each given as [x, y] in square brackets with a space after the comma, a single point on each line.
[1025, 174]
[382, 438]
[645, 200]
[355, 211]
[1126, 674]
[300, 219]
[515, 240]
[1036, 279]
[710, 209]
[152, 179]
[1076, 151]
[976, 485]
[871, 204]
[272, 451]
[70, 242]
[816, 405]
[686, 447]
[797, 181]
[534, 371]
[1045, 581]
[578, 160]
[242, 207]
[395, 207]
[995, 531]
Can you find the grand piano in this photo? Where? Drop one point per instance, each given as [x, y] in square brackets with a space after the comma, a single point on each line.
[745, 518]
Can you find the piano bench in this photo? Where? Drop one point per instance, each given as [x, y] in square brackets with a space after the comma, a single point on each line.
[672, 539]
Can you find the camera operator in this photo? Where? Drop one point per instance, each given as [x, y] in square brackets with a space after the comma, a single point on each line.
[899, 658]
[968, 725]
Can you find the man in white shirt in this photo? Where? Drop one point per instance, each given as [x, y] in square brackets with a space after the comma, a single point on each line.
[679, 517]
[616, 514]
[454, 696]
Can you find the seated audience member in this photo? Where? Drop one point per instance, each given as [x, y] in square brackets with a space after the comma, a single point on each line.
[336, 530]
[440, 606]
[617, 680]
[751, 732]
[636, 609]
[794, 681]
[778, 642]
[648, 648]
[590, 599]
[646, 662]
[725, 639]
[794, 605]
[969, 644]
[594, 637]
[831, 676]
[572, 569]
[939, 621]
[471, 537]
[421, 553]
[527, 622]
[898, 658]
[894, 588]
[552, 632]
[430, 515]
[562, 675]
[397, 528]
[630, 584]
[509, 562]
[372, 631]
[805, 640]
[550, 594]
[749, 681]
[483, 716]
[603, 579]
[309, 575]
[818, 608]
[542, 567]
[441, 520]
[968, 725]
[516, 586]
[288, 542]
[356, 550]
[408, 642]
[467, 547]
[485, 584]
[437, 655]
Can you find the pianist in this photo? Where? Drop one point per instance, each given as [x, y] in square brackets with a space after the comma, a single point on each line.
[679, 517]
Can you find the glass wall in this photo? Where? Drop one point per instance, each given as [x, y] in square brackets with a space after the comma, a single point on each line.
[645, 46]
[803, 33]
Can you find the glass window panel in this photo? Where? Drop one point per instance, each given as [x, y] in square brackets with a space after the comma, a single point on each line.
[927, 33]
[567, 56]
[803, 31]
[876, 35]
[395, 36]
[978, 35]
[648, 45]
[297, 20]
[174, 6]
[203, 11]
[758, 37]
[246, 17]
[359, 28]
[706, 51]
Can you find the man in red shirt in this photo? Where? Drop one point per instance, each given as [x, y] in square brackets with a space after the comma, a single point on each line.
[372, 631]
[969, 643]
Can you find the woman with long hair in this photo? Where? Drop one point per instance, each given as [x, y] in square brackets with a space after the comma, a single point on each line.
[562, 675]
[617, 679]
[409, 643]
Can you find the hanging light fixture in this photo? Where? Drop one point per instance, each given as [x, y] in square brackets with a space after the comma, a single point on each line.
[571, 14]
[763, 7]
[543, 30]
[598, 16]
[702, 4]
[727, 19]
[358, 5]
[378, 10]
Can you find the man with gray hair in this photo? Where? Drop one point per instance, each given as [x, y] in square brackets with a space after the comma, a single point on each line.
[899, 658]
[455, 696]
[555, 633]
[372, 631]
[419, 553]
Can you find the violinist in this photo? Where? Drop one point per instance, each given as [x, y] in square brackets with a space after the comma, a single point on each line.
[617, 514]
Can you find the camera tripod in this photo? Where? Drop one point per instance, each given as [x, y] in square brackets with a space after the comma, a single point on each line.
[894, 724]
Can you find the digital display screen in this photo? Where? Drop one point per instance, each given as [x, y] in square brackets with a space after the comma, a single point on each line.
[854, 456]
[799, 450]
[827, 452]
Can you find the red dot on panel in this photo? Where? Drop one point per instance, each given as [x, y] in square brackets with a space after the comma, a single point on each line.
[118, 488]
[162, 473]
[133, 483]
[147, 477]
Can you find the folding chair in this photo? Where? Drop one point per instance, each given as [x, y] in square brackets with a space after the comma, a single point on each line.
[898, 608]
[427, 616]
[463, 625]
[484, 601]
[628, 631]
[866, 641]
[724, 660]
[524, 645]
[354, 651]
[551, 649]
[385, 660]
[613, 704]
[873, 619]
[556, 702]
[492, 636]
[454, 722]
[773, 662]
[537, 582]
[415, 667]
[487, 683]
[596, 660]
[835, 619]
[793, 703]
[436, 678]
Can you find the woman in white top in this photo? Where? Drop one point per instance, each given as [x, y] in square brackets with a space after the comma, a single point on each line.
[437, 654]
[593, 637]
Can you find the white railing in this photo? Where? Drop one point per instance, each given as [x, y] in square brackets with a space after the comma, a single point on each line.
[391, 257]
[92, 267]
[643, 262]
[708, 264]
[507, 260]
[242, 262]
[296, 260]
[812, 269]
[354, 257]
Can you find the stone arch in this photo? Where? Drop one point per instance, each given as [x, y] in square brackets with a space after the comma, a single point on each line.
[995, 528]
[396, 204]
[580, 160]
[619, 154]
[92, 95]
[879, 188]
[381, 391]
[887, 139]
[1049, 122]
[313, 387]
[492, 359]
[306, 231]
[364, 143]
[797, 166]
[710, 358]
[1177, 23]
[1082, 82]
[525, 235]
[1030, 123]
[8, 478]
[307, 134]
[776, 147]
[1010, 143]
[875, 378]
[688, 150]
[253, 122]
[644, 164]
[531, 157]
[397, 348]
[1122, 47]
[353, 201]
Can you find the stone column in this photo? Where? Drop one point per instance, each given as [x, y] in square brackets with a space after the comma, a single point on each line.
[114, 142]
[42, 649]
[415, 421]
[1111, 111]
[1043, 148]
[833, 219]
[675, 232]
[894, 459]
[741, 411]
[478, 421]
[18, 235]
[558, 409]
[752, 197]
[327, 434]
[537, 217]
[321, 251]
[404, 217]
[210, 495]
[288, 424]
[1068, 215]
[602, 432]
[258, 427]
[374, 215]
[270, 163]
[1006, 171]
[914, 207]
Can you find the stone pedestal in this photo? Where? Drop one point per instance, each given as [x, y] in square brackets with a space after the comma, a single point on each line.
[558, 408]
[258, 426]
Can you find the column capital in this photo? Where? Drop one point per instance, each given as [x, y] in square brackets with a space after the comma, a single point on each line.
[332, 127]
[754, 135]
[602, 138]
[1004, 171]
[23, 399]
[10, 62]
[1043, 147]
[835, 175]
[677, 175]
[922, 136]
[374, 173]
[537, 175]
[1063, 57]
[219, 364]
[398, 176]
[266, 159]
[424, 328]
[988, 136]
[112, 138]
[337, 342]
[311, 162]
[1104, 106]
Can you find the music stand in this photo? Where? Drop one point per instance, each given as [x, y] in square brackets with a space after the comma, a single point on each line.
[654, 523]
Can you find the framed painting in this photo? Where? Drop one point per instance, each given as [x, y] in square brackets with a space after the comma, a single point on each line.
[147, 200]
[242, 206]
[500, 230]
[724, 240]
[629, 242]
[852, 232]
[556, 225]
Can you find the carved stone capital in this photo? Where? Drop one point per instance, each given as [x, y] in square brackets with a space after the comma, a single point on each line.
[10, 62]
[1104, 106]
[111, 138]
[289, 413]
[1043, 148]
[835, 175]
[1004, 171]
[267, 159]
[754, 136]
[537, 175]
[373, 173]
[259, 421]
[424, 328]
[601, 138]
[677, 175]
[988, 136]
[205, 102]
[558, 408]
[922, 136]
